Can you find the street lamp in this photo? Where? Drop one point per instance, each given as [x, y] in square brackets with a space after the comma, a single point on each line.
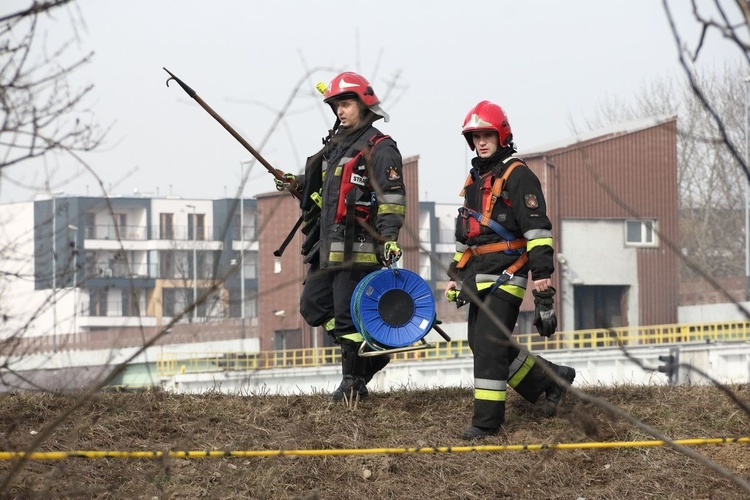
[747, 194]
[195, 268]
[242, 245]
[54, 268]
[74, 230]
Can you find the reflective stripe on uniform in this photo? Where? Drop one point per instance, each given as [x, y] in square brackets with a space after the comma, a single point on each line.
[354, 337]
[489, 390]
[397, 199]
[487, 395]
[338, 246]
[340, 166]
[364, 258]
[533, 234]
[493, 385]
[329, 325]
[492, 278]
[391, 208]
[362, 253]
[460, 247]
[516, 291]
[516, 364]
[522, 370]
[539, 242]
[458, 256]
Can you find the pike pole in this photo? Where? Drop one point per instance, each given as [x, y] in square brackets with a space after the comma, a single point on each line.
[276, 173]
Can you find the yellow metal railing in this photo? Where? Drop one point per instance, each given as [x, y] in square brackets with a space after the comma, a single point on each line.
[171, 364]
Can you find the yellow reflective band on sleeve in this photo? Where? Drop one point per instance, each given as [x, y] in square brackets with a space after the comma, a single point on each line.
[521, 373]
[457, 256]
[488, 395]
[391, 208]
[354, 337]
[330, 324]
[338, 171]
[541, 242]
[364, 258]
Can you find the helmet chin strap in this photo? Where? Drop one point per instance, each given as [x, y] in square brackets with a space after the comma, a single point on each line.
[332, 131]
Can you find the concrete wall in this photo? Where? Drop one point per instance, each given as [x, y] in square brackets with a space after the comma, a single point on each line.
[727, 363]
[593, 252]
[706, 313]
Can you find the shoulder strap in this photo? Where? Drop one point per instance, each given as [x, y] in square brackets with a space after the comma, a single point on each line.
[372, 142]
[498, 186]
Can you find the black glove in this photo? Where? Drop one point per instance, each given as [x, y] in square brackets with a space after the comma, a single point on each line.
[545, 320]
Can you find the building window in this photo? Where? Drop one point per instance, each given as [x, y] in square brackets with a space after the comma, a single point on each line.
[251, 265]
[640, 233]
[176, 301]
[166, 226]
[197, 224]
[89, 226]
[131, 303]
[169, 300]
[166, 264]
[98, 303]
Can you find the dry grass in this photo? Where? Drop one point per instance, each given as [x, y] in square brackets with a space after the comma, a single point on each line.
[161, 421]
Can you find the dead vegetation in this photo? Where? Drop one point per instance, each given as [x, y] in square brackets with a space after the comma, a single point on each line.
[158, 421]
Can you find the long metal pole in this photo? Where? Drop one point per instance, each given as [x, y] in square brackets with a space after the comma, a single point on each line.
[75, 276]
[195, 268]
[242, 246]
[54, 272]
[747, 193]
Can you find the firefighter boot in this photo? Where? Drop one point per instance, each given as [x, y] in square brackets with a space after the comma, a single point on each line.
[353, 369]
[476, 433]
[374, 364]
[349, 388]
[556, 392]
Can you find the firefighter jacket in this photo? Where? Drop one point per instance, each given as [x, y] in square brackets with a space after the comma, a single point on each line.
[521, 210]
[362, 196]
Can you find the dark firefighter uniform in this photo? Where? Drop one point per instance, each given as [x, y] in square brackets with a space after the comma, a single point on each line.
[362, 204]
[496, 272]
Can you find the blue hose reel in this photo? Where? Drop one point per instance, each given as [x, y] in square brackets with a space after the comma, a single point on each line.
[393, 309]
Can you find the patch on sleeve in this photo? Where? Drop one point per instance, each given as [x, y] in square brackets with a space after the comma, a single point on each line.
[531, 201]
[393, 174]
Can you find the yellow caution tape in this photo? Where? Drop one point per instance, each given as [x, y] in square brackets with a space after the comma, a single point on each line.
[62, 455]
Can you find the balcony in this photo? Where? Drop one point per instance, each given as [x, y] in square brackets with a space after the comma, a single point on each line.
[110, 232]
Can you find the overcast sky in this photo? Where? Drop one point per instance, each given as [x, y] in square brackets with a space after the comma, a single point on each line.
[548, 63]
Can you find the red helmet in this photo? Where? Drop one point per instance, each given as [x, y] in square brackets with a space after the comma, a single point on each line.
[487, 116]
[350, 84]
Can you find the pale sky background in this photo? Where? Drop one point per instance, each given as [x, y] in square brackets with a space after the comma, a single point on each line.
[548, 63]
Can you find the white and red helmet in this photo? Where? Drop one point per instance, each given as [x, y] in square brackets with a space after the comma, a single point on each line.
[350, 84]
[487, 116]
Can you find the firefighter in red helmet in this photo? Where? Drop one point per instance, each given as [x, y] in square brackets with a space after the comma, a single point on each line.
[354, 201]
[503, 234]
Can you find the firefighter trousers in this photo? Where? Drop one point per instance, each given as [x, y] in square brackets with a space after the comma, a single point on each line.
[499, 363]
[327, 294]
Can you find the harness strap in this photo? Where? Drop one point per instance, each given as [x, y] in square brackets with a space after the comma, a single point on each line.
[289, 236]
[497, 189]
[349, 225]
[510, 271]
[500, 246]
[496, 227]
